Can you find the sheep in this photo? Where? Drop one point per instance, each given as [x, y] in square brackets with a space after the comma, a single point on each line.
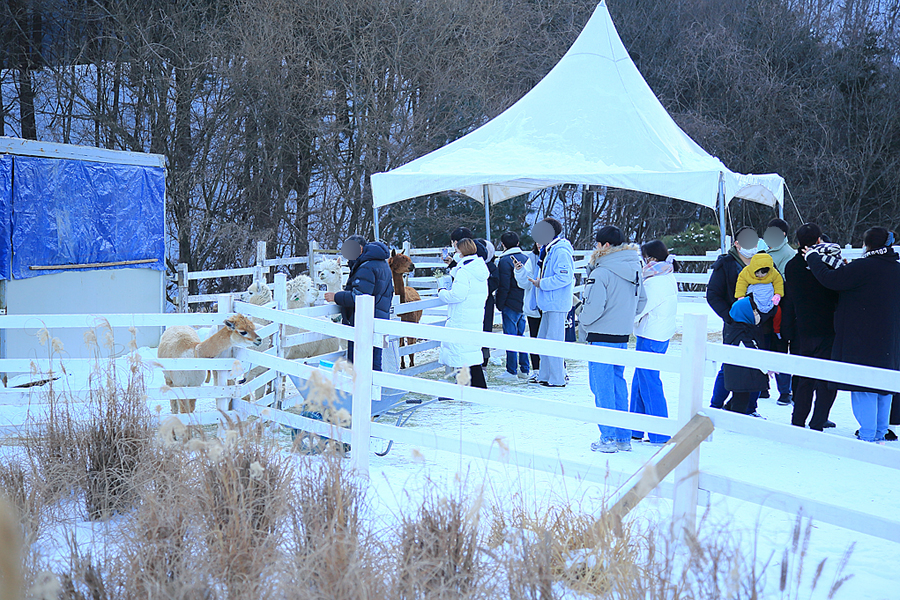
[184, 342]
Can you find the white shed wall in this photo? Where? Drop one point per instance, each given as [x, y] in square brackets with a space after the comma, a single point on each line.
[112, 291]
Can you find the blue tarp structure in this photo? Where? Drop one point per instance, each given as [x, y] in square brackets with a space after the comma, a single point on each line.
[69, 212]
[6, 168]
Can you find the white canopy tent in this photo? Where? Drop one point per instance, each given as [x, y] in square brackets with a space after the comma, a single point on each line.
[592, 120]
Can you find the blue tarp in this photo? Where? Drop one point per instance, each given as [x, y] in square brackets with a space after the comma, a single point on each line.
[6, 169]
[68, 212]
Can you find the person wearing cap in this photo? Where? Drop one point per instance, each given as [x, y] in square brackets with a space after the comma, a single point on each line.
[866, 323]
[369, 275]
[553, 289]
[720, 297]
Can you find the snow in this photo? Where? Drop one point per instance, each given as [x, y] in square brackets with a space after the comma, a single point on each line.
[399, 479]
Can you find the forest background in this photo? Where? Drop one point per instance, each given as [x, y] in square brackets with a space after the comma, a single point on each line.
[273, 114]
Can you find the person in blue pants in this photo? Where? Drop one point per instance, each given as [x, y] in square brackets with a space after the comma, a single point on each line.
[613, 296]
[654, 327]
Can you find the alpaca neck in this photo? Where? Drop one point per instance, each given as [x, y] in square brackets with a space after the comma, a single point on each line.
[214, 345]
[399, 288]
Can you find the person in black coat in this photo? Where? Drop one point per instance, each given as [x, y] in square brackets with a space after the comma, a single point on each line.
[808, 324]
[369, 275]
[866, 323]
[743, 382]
[510, 301]
[720, 296]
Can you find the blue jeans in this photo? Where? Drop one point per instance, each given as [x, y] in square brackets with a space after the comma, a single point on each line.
[610, 391]
[647, 396]
[514, 324]
[872, 411]
[720, 394]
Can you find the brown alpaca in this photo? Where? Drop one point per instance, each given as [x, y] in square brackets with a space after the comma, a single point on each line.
[183, 342]
[401, 264]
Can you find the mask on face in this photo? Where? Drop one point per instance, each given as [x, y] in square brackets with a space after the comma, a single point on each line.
[543, 233]
[351, 250]
[747, 252]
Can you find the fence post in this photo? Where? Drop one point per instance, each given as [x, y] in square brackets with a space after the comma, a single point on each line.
[690, 401]
[261, 269]
[225, 306]
[363, 339]
[278, 336]
[311, 260]
[182, 280]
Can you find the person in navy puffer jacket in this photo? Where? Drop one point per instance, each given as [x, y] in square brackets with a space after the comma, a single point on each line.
[510, 299]
[369, 275]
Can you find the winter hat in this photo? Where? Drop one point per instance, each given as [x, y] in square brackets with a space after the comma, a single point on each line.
[743, 311]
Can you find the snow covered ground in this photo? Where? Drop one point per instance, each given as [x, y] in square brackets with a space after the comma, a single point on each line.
[399, 478]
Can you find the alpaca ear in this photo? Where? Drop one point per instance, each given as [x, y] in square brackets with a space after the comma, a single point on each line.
[393, 252]
[229, 324]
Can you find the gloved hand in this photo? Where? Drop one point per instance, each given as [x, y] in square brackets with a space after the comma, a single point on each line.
[776, 299]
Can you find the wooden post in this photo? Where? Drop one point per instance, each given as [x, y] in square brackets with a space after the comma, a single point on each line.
[261, 270]
[363, 337]
[690, 401]
[278, 336]
[311, 264]
[182, 279]
[225, 306]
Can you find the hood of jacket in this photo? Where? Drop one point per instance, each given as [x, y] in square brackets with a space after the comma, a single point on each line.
[373, 251]
[475, 267]
[742, 312]
[623, 260]
[761, 260]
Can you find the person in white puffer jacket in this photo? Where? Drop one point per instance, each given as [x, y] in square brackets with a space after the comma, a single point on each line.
[465, 300]
[654, 327]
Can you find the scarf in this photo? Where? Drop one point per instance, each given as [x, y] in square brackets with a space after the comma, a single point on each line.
[830, 253]
[658, 268]
[543, 256]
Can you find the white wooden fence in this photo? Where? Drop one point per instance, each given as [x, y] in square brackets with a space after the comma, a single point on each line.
[691, 487]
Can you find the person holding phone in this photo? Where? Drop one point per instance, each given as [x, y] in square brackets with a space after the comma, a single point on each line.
[524, 272]
[554, 285]
[510, 298]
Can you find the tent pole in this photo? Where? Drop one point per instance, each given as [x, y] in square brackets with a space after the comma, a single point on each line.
[487, 213]
[722, 212]
[781, 210]
[375, 223]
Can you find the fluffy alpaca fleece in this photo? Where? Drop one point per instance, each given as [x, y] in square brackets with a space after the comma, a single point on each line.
[259, 293]
[329, 273]
[302, 293]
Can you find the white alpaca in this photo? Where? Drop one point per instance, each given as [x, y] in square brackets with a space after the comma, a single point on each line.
[329, 273]
[259, 294]
[183, 342]
[302, 293]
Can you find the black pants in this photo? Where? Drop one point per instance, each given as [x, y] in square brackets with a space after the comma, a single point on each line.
[534, 324]
[477, 375]
[806, 387]
[376, 356]
[740, 402]
[488, 326]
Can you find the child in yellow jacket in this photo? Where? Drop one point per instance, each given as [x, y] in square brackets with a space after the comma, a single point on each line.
[761, 280]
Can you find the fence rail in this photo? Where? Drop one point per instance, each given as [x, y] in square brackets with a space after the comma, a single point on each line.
[691, 484]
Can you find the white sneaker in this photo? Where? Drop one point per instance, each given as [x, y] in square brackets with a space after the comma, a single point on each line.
[605, 446]
[507, 376]
[757, 415]
[524, 376]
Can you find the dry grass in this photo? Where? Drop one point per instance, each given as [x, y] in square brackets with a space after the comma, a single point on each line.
[235, 516]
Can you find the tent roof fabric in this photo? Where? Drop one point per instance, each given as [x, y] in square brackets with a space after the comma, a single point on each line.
[592, 120]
